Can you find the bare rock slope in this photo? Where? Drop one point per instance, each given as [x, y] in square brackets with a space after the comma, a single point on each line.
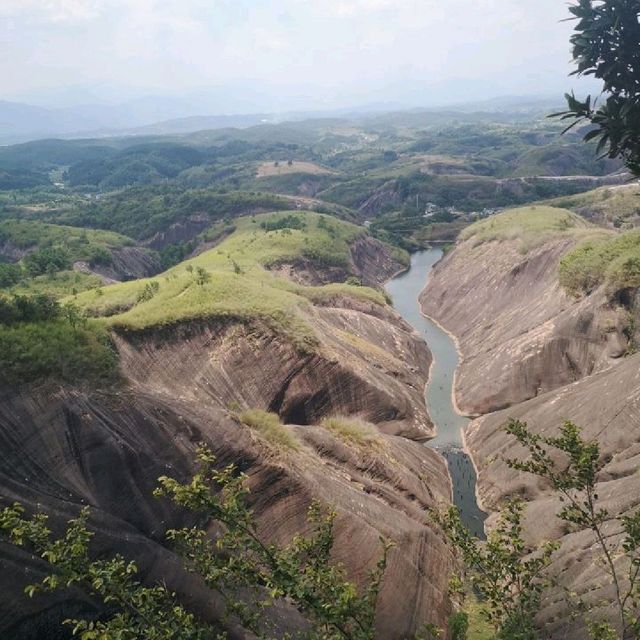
[607, 407]
[519, 333]
[66, 447]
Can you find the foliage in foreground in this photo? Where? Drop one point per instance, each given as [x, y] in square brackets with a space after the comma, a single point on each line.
[605, 46]
[251, 575]
[511, 577]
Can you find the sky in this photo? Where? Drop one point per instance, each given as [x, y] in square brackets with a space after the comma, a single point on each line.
[305, 53]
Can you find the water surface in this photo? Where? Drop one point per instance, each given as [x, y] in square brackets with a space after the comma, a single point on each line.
[405, 290]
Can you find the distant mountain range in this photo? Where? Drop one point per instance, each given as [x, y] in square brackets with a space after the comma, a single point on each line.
[21, 122]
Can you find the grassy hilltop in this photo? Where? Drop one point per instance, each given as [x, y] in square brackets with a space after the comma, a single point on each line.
[230, 281]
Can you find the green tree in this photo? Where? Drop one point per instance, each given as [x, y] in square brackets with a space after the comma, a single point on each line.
[510, 577]
[252, 575]
[606, 45]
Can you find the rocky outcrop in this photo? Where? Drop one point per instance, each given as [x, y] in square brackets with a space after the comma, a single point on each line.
[369, 363]
[370, 260]
[127, 263]
[66, 447]
[519, 333]
[180, 232]
[62, 448]
[607, 407]
[530, 351]
[10, 252]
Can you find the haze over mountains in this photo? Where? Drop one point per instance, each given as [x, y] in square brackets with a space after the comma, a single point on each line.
[160, 115]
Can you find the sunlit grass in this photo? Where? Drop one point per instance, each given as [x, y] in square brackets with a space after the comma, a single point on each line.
[530, 226]
[268, 425]
[613, 260]
[58, 284]
[352, 430]
[232, 280]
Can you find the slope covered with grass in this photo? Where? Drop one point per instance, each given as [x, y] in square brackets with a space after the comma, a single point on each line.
[617, 206]
[26, 234]
[530, 226]
[612, 260]
[232, 280]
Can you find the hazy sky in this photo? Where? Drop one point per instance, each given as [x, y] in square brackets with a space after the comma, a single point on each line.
[333, 52]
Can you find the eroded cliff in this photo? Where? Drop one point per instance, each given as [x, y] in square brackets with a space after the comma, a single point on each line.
[519, 332]
[607, 407]
[187, 381]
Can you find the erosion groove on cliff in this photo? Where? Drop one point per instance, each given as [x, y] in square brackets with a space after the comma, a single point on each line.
[64, 447]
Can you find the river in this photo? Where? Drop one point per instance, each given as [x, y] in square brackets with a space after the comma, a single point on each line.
[405, 289]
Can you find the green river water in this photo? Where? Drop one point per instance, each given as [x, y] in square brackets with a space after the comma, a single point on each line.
[405, 289]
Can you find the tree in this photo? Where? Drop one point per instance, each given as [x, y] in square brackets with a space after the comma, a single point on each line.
[606, 45]
[511, 577]
[508, 576]
[251, 574]
[202, 276]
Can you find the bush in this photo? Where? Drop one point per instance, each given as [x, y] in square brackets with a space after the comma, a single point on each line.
[55, 350]
[10, 274]
[613, 261]
[47, 260]
[37, 308]
[256, 578]
[290, 221]
[351, 430]
[270, 427]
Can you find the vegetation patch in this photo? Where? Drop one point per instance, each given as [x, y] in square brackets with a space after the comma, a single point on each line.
[277, 168]
[524, 223]
[232, 281]
[270, 427]
[352, 430]
[617, 206]
[613, 261]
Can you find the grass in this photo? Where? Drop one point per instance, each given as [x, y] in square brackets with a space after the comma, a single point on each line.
[54, 350]
[479, 628]
[268, 425]
[530, 226]
[237, 282]
[352, 430]
[26, 234]
[270, 169]
[58, 284]
[619, 205]
[613, 261]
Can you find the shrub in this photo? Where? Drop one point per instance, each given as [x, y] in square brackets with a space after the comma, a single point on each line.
[48, 260]
[270, 427]
[613, 261]
[352, 430]
[37, 308]
[10, 274]
[150, 290]
[55, 350]
[256, 578]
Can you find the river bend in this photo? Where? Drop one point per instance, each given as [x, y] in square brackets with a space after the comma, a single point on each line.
[405, 290]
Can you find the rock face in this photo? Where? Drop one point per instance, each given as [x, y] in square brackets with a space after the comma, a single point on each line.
[607, 407]
[518, 331]
[63, 447]
[370, 260]
[526, 345]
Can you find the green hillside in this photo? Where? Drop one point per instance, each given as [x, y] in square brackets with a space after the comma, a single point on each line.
[232, 280]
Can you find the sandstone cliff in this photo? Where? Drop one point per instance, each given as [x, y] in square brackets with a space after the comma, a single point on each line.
[63, 447]
[520, 334]
[607, 407]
